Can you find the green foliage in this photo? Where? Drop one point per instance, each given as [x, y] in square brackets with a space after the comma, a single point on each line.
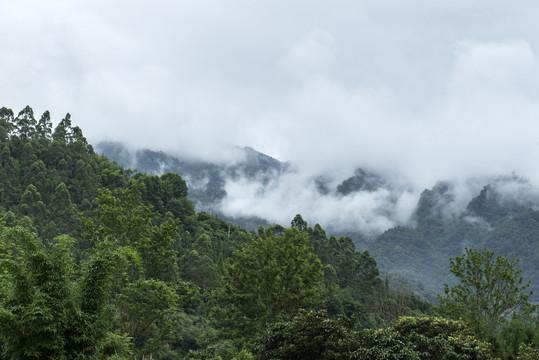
[145, 296]
[129, 222]
[382, 344]
[420, 339]
[309, 335]
[146, 309]
[223, 350]
[269, 279]
[491, 290]
[45, 311]
[509, 341]
[98, 267]
[528, 352]
[353, 277]
[44, 179]
[198, 266]
[437, 338]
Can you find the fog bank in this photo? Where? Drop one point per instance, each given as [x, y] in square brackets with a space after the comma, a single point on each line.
[412, 91]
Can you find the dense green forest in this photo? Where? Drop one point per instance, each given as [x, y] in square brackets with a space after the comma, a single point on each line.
[502, 214]
[499, 222]
[102, 262]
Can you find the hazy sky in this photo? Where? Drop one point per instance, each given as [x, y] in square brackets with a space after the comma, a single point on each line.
[424, 89]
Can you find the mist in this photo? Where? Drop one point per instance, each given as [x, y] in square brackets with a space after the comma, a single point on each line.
[368, 212]
[417, 93]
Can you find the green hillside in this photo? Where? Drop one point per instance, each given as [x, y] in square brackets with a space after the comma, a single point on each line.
[98, 261]
[493, 220]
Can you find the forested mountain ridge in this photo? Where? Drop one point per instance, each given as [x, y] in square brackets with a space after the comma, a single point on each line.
[102, 262]
[506, 222]
[206, 180]
[501, 216]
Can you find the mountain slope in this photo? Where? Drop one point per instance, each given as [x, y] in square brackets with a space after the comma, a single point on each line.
[502, 216]
[494, 219]
[206, 180]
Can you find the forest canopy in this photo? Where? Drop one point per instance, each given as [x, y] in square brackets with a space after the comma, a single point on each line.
[102, 262]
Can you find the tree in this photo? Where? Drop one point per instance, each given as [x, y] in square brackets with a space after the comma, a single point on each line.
[491, 290]
[31, 203]
[37, 175]
[420, 339]
[145, 295]
[50, 308]
[511, 339]
[7, 120]
[309, 335]
[26, 123]
[198, 266]
[61, 211]
[299, 223]
[268, 280]
[130, 222]
[528, 352]
[44, 126]
[174, 185]
[63, 131]
[439, 338]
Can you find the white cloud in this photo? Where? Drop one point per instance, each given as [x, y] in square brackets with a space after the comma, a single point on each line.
[313, 54]
[419, 91]
[371, 212]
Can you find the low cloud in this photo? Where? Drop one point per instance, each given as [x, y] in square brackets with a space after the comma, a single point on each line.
[370, 212]
[417, 93]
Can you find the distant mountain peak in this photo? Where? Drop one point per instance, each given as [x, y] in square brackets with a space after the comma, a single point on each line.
[432, 204]
[360, 181]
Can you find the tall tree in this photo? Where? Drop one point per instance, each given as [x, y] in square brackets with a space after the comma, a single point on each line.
[26, 124]
[63, 131]
[198, 266]
[146, 295]
[61, 212]
[491, 291]
[7, 121]
[31, 203]
[269, 280]
[44, 126]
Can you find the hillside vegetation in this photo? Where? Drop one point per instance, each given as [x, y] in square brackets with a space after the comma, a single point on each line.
[494, 220]
[501, 216]
[102, 262]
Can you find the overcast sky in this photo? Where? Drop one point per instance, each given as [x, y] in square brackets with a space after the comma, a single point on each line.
[425, 89]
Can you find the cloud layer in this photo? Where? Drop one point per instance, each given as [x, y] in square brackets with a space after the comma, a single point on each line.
[444, 90]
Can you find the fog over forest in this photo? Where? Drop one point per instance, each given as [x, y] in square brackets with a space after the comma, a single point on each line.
[417, 93]
[363, 201]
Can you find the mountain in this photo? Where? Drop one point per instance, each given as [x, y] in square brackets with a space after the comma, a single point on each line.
[206, 180]
[360, 181]
[502, 215]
